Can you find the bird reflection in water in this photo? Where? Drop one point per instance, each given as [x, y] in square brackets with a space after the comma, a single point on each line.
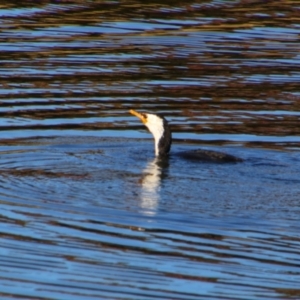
[153, 174]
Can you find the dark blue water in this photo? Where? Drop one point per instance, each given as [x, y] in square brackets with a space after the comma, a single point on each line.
[86, 210]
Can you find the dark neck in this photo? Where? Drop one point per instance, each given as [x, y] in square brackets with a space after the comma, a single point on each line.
[164, 144]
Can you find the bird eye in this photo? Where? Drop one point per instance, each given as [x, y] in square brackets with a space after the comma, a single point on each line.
[144, 115]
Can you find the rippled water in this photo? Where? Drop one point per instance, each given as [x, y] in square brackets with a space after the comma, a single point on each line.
[86, 210]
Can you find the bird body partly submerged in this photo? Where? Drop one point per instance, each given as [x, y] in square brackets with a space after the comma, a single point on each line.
[161, 132]
[208, 156]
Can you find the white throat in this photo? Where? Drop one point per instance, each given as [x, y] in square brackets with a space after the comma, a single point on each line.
[156, 127]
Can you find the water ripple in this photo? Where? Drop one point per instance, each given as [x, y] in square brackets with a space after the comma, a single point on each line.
[85, 211]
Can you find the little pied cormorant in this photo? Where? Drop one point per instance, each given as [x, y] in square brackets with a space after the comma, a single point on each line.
[161, 132]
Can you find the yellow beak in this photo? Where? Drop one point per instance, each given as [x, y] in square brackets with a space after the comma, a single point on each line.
[139, 115]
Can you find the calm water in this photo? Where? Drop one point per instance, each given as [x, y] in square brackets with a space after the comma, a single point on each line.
[86, 210]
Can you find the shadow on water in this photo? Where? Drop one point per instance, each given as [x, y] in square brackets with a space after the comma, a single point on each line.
[86, 210]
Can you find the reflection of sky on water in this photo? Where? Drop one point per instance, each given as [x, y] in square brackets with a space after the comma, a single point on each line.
[18, 12]
[117, 218]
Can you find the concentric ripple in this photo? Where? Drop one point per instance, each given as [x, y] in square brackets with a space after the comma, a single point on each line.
[72, 207]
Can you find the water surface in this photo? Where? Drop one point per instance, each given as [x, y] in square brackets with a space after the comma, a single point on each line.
[86, 210]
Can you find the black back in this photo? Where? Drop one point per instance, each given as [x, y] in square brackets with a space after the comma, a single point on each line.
[203, 155]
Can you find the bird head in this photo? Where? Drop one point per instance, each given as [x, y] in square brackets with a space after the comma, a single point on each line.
[160, 130]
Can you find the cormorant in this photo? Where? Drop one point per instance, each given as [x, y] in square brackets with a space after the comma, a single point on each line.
[161, 132]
